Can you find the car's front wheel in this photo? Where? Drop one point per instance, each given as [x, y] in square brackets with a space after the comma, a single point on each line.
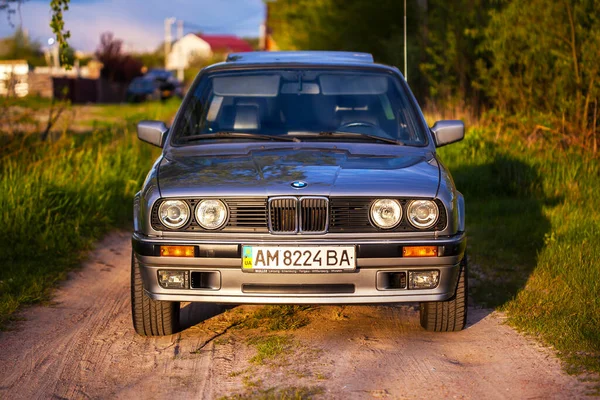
[449, 315]
[151, 317]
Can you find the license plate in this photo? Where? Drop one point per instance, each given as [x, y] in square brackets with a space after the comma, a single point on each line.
[293, 259]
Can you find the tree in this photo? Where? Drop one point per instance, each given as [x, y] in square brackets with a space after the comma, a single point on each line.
[543, 60]
[451, 38]
[155, 59]
[118, 66]
[20, 47]
[58, 7]
[67, 56]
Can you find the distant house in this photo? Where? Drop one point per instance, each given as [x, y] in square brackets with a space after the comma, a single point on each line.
[195, 45]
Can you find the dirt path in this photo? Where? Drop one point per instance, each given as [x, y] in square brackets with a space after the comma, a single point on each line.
[83, 346]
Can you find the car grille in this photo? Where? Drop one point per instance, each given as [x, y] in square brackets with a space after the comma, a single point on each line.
[314, 214]
[291, 215]
[307, 215]
[282, 214]
[350, 215]
[247, 214]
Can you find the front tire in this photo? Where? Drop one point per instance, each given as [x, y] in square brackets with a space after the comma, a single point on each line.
[449, 315]
[151, 317]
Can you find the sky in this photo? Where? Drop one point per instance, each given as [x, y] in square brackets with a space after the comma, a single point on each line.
[139, 23]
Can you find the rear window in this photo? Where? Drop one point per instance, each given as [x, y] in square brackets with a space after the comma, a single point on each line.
[297, 102]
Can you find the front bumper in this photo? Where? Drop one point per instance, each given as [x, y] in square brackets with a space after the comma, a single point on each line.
[362, 286]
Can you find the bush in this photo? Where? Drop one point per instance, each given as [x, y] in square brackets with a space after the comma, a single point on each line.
[57, 198]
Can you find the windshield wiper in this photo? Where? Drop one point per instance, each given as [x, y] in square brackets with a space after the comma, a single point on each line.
[358, 135]
[234, 135]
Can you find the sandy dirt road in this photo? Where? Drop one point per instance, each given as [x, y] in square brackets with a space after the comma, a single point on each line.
[83, 346]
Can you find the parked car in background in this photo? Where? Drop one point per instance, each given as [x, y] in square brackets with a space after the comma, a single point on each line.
[299, 178]
[156, 84]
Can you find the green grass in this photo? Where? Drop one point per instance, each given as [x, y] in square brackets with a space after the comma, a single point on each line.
[533, 222]
[57, 198]
[108, 114]
[269, 347]
[30, 102]
[277, 318]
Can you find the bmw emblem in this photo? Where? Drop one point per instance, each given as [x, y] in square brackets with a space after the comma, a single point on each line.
[299, 184]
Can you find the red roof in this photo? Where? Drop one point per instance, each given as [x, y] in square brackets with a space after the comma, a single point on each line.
[228, 43]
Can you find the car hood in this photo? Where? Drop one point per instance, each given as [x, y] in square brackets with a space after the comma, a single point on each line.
[327, 172]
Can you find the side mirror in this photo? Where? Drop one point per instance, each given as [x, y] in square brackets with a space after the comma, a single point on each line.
[448, 131]
[153, 132]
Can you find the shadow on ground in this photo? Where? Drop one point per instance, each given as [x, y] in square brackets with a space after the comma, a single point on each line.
[195, 313]
[506, 225]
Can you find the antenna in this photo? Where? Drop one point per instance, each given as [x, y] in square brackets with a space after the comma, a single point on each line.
[405, 51]
[180, 59]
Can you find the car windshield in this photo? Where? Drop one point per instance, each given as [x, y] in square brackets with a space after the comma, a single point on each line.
[307, 104]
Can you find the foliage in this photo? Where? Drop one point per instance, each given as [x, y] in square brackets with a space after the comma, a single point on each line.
[546, 64]
[67, 56]
[253, 41]
[197, 63]
[151, 60]
[118, 66]
[57, 24]
[451, 36]
[21, 47]
[57, 198]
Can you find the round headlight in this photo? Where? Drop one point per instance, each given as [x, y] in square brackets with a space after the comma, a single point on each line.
[211, 214]
[174, 213]
[386, 213]
[422, 214]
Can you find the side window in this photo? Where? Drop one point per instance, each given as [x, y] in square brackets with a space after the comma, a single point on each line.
[386, 106]
[195, 115]
[407, 130]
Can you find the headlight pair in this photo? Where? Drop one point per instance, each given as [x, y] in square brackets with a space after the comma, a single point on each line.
[387, 213]
[210, 214]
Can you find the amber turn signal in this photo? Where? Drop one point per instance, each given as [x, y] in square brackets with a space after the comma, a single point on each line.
[177, 251]
[419, 251]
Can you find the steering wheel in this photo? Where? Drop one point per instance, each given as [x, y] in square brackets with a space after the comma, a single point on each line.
[358, 123]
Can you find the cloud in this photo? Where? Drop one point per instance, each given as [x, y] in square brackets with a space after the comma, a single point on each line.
[139, 23]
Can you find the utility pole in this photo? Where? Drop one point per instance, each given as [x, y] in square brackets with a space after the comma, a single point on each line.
[168, 38]
[266, 31]
[267, 27]
[405, 50]
[180, 61]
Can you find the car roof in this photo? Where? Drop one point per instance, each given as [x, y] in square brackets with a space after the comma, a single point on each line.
[260, 59]
[257, 57]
